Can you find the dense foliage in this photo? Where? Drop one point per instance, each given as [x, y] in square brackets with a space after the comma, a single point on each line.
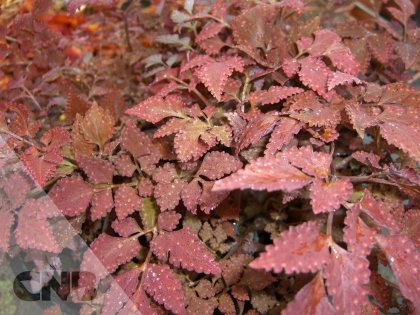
[234, 157]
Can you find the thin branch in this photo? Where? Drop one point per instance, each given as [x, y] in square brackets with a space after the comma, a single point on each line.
[15, 136]
[31, 96]
[194, 90]
[127, 33]
[330, 221]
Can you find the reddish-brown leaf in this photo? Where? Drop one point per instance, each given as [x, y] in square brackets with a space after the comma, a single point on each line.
[328, 43]
[311, 299]
[404, 260]
[296, 5]
[124, 165]
[273, 95]
[378, 211]
[400, 126]
[370, 159]
[208, 31]
[75, 104]
[226, 305]
[282, 134]
[347, 276]
[184, 249]
[290, 67]
[99, 171]
[71, 195]
[210, 199]
[359, 237]
[126, 227]
[97, 126]
[130, 138]
[214, 74]
[307, 108]
[217, 164]
[300, 249]
[327, 197]
[163, 285]
[411, 222]
[126, 201]
[102, 203]
[114, 103]
[55, 138]
[40, 167]
[313, 163]
[269, 173]
[34, 233]
[257, 127]
[314, 74]
[122, 288]
[156, 108]
[257, 279]
[380, 45]
[360, 118]
[168, 195]
[6, 221]
[191, 195]
[168, 220]
[107, 252]
[340, 78]
[16, 188]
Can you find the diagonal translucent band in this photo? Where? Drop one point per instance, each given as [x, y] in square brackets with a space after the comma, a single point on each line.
[41, 253]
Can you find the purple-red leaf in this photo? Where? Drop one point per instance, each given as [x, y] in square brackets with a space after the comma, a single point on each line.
[155, 108]
[347, 276]
[313, 163]
[122, 288]
[102, 203]
[126, 201]
[327, 197]
[191, 195]
[378, 212]
[340, 78]
[217, 164]
[168, 220]
[269, 173]
[257, 127]
[282, 134]
[6, 221]
[273, 95]
[358, 236]
[71, 195]
[360, 118]
[300, 249]
[34, 233]
[126, 227]
[404, 259]
[214, 74]
[314, 74]
[370, 159]
[311, 299]
[184, 249]
[99, 171]
[107, 252]
[165, 288]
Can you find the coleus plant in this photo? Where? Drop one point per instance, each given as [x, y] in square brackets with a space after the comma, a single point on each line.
[235, 157]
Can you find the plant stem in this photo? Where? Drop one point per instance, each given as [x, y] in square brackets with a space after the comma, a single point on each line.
[13, 135]
[32, 97]
[127, 33]
[194, 90]
[330, 221]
